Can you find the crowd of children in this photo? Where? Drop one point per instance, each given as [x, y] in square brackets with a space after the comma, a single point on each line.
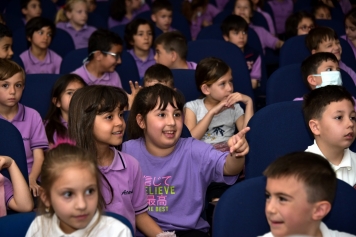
[148, 154]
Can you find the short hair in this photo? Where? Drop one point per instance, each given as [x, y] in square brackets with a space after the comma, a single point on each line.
[37, 23]
[5, 31]
[313, 170]
[311, 64]
[292, 22]
[318, 6]
[159, 5]
[235, 23]
[102, 40]
[132, 28]
[351, 16]
[315, 102]
[319, 34]
[160, 73]
[9, 68]
[173, 41]
[24, 3]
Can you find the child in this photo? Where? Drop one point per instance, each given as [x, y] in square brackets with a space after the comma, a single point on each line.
[15, 196]
[235, 29]
[299, 23]
[70, 202]
[5, 42]
[158, 73]
[321, 11]
[124, 11]
[72, 18]
[281, 9]
[350, 28]
[26, 120]
[258, 6]
[30, 9]
[39, 58]
[139, 37]
[91, 5]
[177, 171]
[300, 190]
[200, 13]
[244, 8]
[104, 52]
[324, 39]
[330, 114]
[171, 51]
[57, 117]
[96, 124]
[162, 12]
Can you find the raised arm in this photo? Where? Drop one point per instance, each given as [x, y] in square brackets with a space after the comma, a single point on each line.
[38, 157]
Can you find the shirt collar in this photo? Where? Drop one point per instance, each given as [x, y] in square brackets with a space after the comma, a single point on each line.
[150, 57]
[20, 116]
[105, 76]
[47, 59]
[117, 164]
[68, 25]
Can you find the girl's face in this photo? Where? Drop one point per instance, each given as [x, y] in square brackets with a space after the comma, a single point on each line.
[42, 38]
[323, 14]
[350, 30]
[109, 128]
[66, 96]
[222, 88]
[74, 197]
[304, 26]
[142, 40]
[79, 14]
[32, 10]
[162, 129]
[243, 9]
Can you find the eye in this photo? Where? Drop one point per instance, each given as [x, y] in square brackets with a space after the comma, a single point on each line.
[121, 115]
[89, 191]
[268, 196]
[67, 194]
[177, 114]
[108, 117]
[282, 199]
[70, 93]
[338, 117]
[5, 85]
[18, 85]
[40, 32]
[353, 118]
[329, 69]
[161, 115]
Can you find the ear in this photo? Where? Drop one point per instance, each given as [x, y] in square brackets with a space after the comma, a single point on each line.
[44, 198]
[56, 102]
[205, 89]
[311, 80]
[153, 18]
[226, 38]
[313, 51]
[174, 56]
[321, 209]
[98, 56]
[24, 11]
[314, 127]
[68, 14]
[29, 39]
[140, 121]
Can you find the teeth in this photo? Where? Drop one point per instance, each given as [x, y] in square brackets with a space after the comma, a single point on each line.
[169, 132]
[116, 133]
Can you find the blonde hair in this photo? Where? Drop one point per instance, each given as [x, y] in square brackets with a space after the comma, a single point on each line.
[68, 7]
[9, 68]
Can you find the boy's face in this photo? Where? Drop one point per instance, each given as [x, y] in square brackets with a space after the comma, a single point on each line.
[154, 82]
[11, 90]
[32, 10]
[163, 57]
[238, 38]
[41, 38]
[287, 209]
[163, 19]
[350, 30]
[109, 61]
[325, 66]
[322, 14]
[5, 47]
[330, 46]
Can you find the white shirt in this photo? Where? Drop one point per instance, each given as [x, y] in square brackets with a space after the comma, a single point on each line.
[107, 226]
[346, 170]
[325, 231]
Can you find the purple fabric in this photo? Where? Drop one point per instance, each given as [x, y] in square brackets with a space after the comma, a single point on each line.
[9, 191]
[176, 184]
[345, 6]
[350, 43]
[112, 22]
[267, 39]
[192, 65]
[59, 140]
[81, 37]
[348, 70]
[143, 65]
[269, 20]
[50, 65]
[256, 72]
[281, 10]
[108, 79]
[208, 15]
[126, 178]
[221, 4]
[29, 123]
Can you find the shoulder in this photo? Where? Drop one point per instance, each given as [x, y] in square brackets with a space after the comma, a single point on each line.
[332, 233]
[30, 113]
[194, 103]
[61, 25]
[80, 70]
[110, 225]
[55, 55]
[267, 235]
[132, 144]
[24, 54]
[129, 160]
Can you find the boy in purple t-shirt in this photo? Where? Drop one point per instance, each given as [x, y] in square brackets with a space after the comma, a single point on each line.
[162, 12]
[39, 58]
[5, 42]
[104, 52]
[26, 120]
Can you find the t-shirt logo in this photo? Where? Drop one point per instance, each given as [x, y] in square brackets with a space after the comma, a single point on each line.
[158, 189]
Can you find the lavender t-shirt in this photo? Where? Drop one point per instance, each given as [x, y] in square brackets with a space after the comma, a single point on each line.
[176, 184]
[81, 37]
[50, 65]
[208, 15]
[266, 38]
[281, 10]
[350, 43]
[349, 71]
[143, 65]
[191, 65]
[269, 20]
[9, 191]
[112, 22]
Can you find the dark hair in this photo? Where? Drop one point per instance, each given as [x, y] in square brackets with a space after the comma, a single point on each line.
[37, 23]
[293, 21]
[209, 70]
[235, 23]
[24, 3]
[315, 102]
[117, 9]
[173, 41]
[160, 73]
[188, 7]
[2, 19]
[146, 100]
[314, 171]
[159, 5]
[311, 64]
[318, 6]
[53, 117]
[132, 28]
[102, 40]
[260, 4]
[319, 34]
[5, 31]
[351, 15]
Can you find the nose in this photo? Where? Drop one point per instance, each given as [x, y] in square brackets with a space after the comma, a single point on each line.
[81, 203]
[171, 120]
[155, 57]
[119, 121]
[12, 90]
[229, 87]
[118, 61]
[11, 52]
[270, 208]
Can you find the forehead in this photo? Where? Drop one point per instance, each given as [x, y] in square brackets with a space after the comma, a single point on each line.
[16, 78]
[116, 48]
[286, 185]
[143, 27]
[322, 10]
[306, 20]
[79, 5]
[33, 2]
[163, 12]
[5, 40]
[343, 105]
[242, 3]
[76, 176]
[328, 63]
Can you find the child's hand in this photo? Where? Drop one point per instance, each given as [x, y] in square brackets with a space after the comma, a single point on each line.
[34, 187]
[5, 162]
[220, 107]
[135, 88]
[238, 143]
[237, 97]
[206, 23]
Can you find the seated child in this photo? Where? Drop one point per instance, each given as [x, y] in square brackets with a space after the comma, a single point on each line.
[39, 58]
[30, 9]
[158, 73]
[321, 11]
[5, 42]
[299, 23]
[73, 18]
[329, 112]
[350, 28]
[325, 39]
[258, 7]
[162, 12]
[26, 120]
[16, 195]
[171, 51]
[104, 52]
[300, 190]
[235, 30]
[139, 37]
[56, 121]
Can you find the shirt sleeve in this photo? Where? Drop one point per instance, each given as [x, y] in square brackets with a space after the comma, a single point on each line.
[38, 134]
[270, 40]
[256, 69]
[238, 111]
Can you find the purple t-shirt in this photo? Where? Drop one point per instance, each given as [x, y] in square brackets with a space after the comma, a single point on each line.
[81, 37]
[221, 4]
[348, 70]
[267, 39]
[176, 184]
[350, 43]
[256, 72]
[112, 22]
[192, 65]
[143, 65]
[208, 15]
[60, 140]
[345, 6]
[29, 122]
[108, 79]
[9, 191]
[269, 20]
[126, 178]
[281, 10]
[50, 65]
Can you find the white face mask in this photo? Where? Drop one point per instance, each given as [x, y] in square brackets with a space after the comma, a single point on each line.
[329, 78]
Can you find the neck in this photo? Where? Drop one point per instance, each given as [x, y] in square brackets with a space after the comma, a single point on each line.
[39, 53]
[94, 69]
[210, 102]
[314, 231]
[180, 64]
[105, 154]
[333, 154]
[158, 152]
[141, 54]
[76, 26]
[9, 112]
[64, 116]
